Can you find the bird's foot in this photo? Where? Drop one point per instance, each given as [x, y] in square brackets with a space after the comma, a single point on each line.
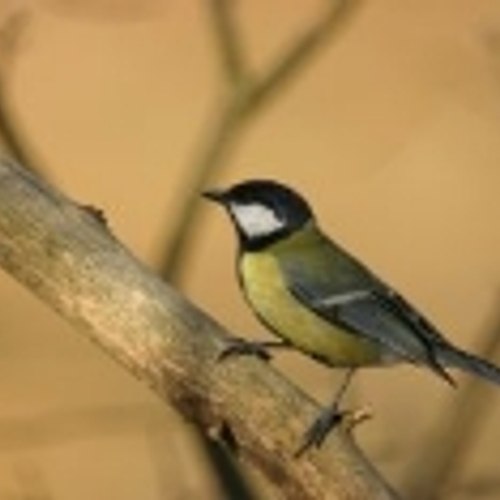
[328, 419]
[241, 347]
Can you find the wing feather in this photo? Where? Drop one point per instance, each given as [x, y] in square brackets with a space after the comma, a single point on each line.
[358, 301]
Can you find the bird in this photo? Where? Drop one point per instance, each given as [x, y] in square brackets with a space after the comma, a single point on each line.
[319, 299]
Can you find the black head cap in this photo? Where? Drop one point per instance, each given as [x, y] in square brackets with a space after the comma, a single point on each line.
[263, 211]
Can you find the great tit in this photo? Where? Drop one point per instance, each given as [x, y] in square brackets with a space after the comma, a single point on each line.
[322, 301]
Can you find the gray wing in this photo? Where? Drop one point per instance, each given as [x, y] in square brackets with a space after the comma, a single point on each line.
[358, 301]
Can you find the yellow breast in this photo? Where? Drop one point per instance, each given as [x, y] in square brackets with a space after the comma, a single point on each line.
[268, 295]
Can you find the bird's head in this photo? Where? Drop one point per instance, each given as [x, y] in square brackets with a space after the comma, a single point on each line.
[263, 211]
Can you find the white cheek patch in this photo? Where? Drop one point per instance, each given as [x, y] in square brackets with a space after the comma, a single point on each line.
[256, 220]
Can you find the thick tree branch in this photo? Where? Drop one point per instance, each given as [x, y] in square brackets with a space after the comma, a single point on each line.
[65, 254]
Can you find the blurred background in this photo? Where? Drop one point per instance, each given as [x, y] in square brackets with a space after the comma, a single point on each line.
[389, 122]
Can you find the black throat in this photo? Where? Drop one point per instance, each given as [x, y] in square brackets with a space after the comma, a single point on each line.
[258, 243]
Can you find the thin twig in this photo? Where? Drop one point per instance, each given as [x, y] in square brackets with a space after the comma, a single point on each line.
[300, 53]
[244, 99]
[13, 140]
[228, 38]
[209, 158]
[12, 31]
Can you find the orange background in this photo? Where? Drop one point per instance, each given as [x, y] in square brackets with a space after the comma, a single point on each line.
[392, 131]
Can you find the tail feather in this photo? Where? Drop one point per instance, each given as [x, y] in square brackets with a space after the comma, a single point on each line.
[456, 358]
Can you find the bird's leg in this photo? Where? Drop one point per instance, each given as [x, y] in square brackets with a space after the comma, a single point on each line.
[240, 347]
[330, 417]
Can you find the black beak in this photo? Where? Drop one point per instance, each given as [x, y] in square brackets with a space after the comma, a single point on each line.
[216, 195]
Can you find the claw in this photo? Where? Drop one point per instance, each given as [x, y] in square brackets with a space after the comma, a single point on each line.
[319, 430]
[241, 347]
